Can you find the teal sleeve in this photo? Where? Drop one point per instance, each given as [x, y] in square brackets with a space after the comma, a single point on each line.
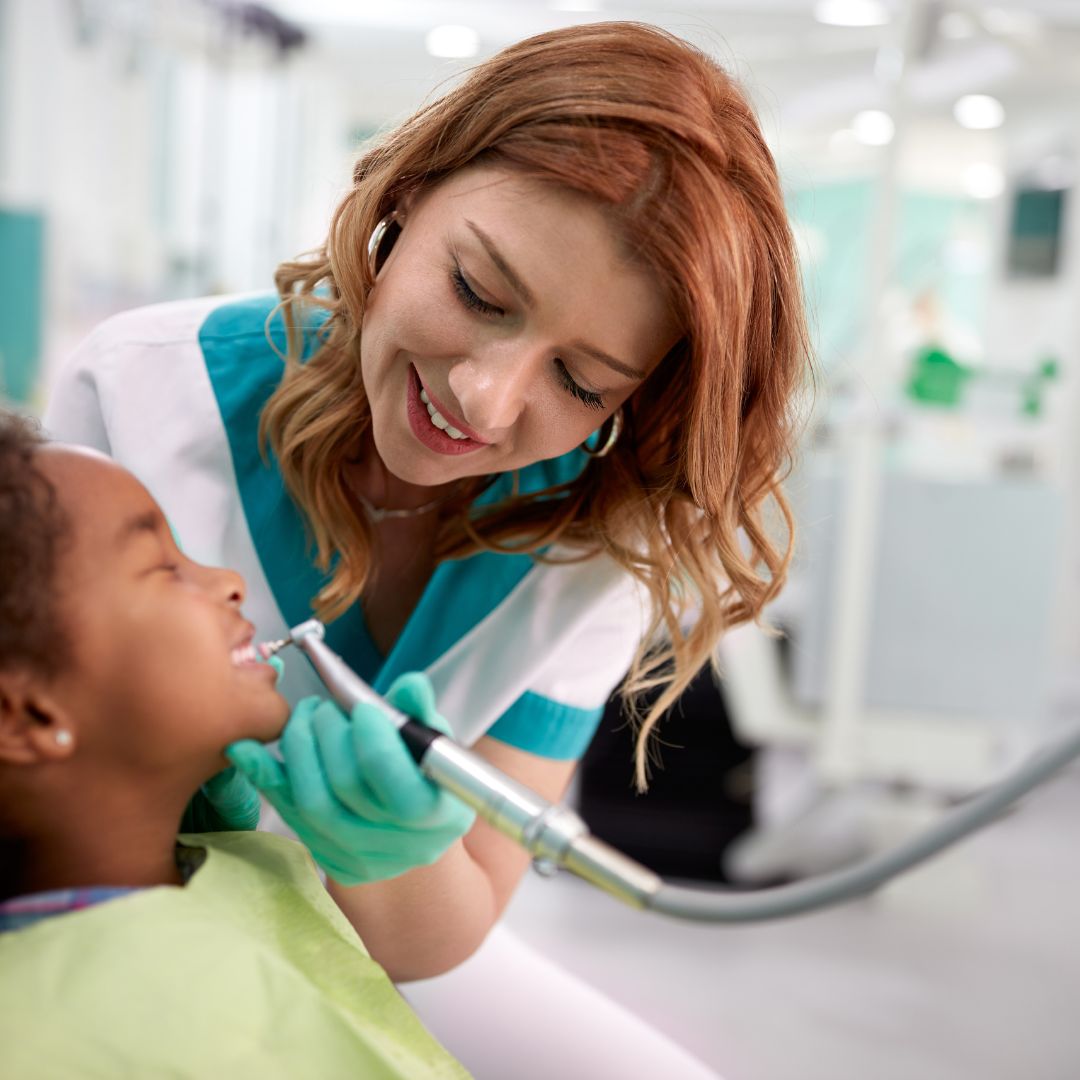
[547, 728]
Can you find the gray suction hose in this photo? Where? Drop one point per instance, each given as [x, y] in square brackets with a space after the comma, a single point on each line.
[557, 837]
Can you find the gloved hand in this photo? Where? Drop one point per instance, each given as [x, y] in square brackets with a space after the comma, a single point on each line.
[350, 789]
[227, 802]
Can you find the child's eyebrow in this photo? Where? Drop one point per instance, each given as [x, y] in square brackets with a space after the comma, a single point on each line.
[147, 521]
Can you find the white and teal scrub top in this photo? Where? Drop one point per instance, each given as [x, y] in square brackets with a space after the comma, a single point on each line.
[523, 651]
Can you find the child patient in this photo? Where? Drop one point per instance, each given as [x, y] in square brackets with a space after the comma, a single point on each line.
[125, 670]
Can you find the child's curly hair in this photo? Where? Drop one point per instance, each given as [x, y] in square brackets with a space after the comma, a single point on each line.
[33, 528]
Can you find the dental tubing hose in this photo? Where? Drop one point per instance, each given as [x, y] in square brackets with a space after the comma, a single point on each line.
[557, 837]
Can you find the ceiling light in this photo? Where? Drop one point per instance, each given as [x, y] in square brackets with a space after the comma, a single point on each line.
[983, 180]
[452, 42]
[873, 127]
[979, 112]
[851, 12]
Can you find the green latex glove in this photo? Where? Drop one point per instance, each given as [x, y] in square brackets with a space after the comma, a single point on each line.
[350, 789]
[227, 802]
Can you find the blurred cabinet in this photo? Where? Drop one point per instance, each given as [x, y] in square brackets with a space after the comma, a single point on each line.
[964, 592]
[22, 239]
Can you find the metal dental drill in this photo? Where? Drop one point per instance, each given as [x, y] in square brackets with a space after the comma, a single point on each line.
[557, 837]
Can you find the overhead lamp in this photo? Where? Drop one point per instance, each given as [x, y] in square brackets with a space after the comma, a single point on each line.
[984, 180]
[872, 127]
[452, 42]
[851, 12]
[979, 112]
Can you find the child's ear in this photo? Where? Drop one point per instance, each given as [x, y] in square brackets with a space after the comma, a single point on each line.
[34, 727]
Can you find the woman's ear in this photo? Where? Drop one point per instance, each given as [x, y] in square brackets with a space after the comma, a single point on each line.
[35, 728]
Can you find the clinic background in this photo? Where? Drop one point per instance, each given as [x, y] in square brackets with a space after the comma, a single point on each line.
[158, 149]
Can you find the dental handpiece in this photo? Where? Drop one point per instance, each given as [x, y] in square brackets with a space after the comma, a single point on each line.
[553, 834]
[557, 837]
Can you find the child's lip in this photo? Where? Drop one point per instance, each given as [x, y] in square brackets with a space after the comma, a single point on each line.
[243, 649]
[244, 654]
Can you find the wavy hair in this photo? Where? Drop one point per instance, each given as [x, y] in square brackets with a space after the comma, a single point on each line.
[664, 141]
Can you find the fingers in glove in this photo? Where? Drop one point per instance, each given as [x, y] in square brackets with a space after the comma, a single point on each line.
[413, 693]
[300, 749]
[333, 731]
[260, 766]
[395, 781]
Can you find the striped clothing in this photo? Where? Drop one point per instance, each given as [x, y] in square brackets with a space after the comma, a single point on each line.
[23, 911]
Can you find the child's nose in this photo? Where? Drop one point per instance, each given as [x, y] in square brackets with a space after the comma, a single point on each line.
[232, 585]
[225, 585]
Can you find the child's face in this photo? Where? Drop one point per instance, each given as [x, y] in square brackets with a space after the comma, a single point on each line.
[154, 681]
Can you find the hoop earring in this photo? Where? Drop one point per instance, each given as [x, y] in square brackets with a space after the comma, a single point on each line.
[378, 234]
[609, 443]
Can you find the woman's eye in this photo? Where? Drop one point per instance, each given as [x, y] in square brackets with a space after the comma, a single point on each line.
[589, 398]
[469, 298]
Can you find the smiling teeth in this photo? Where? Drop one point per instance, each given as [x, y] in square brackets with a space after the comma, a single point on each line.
[244, 655]
[439, 420]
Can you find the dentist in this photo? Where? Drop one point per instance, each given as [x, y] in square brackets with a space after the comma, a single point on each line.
[520, 414]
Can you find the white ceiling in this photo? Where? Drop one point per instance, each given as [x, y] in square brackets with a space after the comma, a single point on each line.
[805, 74]
[807, 79]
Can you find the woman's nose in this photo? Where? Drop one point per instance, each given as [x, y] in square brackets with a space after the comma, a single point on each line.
[492, 390]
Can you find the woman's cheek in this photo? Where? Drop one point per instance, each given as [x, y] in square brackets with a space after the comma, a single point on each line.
[439, 331]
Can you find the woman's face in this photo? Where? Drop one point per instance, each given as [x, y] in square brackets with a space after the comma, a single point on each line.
[505, 326]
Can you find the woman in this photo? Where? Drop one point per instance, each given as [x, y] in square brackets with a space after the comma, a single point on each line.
[515, 421]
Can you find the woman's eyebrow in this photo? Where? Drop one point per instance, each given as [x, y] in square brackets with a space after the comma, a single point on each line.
[519, 286]
[503, 266]
[610, 361]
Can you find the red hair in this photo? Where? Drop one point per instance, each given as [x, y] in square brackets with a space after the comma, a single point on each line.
[665, 142]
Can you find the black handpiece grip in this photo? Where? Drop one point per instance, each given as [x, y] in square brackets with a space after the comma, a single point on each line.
[418, 737]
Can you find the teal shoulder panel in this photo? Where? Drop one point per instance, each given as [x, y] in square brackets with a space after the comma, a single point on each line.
[244, 371]
[463, 592]
[547, 728]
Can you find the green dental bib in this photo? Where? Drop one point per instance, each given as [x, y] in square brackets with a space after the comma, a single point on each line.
[249, 970]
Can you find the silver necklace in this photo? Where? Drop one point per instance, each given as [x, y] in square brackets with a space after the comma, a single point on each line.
[377, 514]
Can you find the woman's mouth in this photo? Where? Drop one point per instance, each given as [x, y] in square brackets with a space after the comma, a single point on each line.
[430, 426]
